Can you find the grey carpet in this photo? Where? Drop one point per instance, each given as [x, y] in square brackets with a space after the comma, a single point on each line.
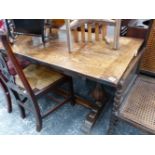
[67, 120]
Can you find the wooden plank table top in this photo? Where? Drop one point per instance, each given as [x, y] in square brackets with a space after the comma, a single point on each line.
[96, 60]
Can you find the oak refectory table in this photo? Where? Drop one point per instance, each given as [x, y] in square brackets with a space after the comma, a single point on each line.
[96, 61]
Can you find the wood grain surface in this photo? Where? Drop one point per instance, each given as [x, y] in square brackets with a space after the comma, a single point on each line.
[94, 59]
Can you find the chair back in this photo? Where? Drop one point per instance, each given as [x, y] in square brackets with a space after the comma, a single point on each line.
[4, 69]
[148, 61]
[11, 56]
[100, 26]
[89, 31]
[18, 92]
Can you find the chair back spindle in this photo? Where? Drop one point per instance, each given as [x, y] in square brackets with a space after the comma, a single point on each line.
[76, 36]
[104, 31]
[89, 32]
[82, 33]
[96, 31]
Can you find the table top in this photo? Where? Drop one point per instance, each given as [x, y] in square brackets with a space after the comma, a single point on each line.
[97, 60]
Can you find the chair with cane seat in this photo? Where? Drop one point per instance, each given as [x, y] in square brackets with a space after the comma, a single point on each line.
[136, 105]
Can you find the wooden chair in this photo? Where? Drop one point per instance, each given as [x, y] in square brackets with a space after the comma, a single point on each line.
[92, 26]
[34, 27]
[31, 83]
[134, 100]
[138, 107]
[6, 93]
[6, 66]
[123, 89]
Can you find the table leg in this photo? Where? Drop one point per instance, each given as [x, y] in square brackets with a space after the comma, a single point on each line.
[100, 99]
[95, 108]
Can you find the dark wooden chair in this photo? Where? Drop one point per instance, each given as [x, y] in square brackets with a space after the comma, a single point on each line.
[7, 66]
[31, 83]
[6, 93]
[34, 27]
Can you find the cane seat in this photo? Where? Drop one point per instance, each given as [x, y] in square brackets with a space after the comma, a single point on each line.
[139, 106]
[38, 77]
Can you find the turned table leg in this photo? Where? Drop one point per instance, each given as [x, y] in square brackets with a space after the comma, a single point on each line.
[100, 99]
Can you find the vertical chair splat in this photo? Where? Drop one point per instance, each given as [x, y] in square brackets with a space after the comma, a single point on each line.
[89, 32]
[75, 35]
[83, 33]
[104, 31]
[96, 31]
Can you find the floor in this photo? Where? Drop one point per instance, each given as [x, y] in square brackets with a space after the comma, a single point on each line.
[67, 120]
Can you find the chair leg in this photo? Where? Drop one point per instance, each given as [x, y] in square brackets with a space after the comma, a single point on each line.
[39, 125]
[7, 96]
[21, 109]
[112, 125]
[71, 91]
[36, 113]
[38, 118]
